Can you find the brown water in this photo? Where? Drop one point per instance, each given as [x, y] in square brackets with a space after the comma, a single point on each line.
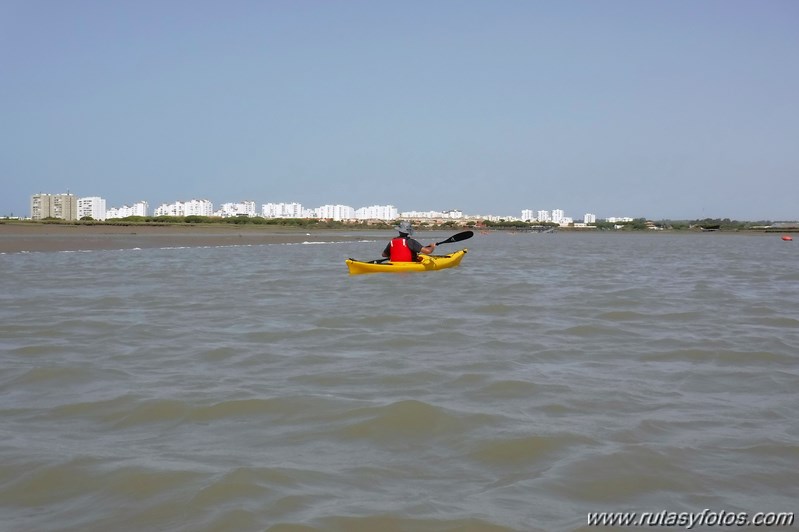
[262, 388]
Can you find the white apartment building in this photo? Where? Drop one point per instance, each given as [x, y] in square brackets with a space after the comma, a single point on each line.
[617, 220]
[231, 210]
[377, 212]
[335, 212]
[171, 209]
[198, 208]
[93, 207]
[589, 218]
[527, 215]
[430, 215]
[499, 218]
[417, 215]
[283, 210]
[63, 206]
[544, 216]
[187, 208]
[557, 215]
[137, 209]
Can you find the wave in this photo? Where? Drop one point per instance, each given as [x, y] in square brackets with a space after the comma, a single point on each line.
[396, 523]
[130, 411]
[722, 356]
[519, 451]
[53, 374]
[335, 242]
[596, 331]
[404, 420]
[509, 389]
[622, 476]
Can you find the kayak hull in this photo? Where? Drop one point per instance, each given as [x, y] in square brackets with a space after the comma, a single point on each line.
[427, 263]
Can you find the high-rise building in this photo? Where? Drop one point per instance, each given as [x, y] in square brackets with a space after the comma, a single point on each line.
[93, 207]
[186, 208]
[198, 208]
[231, 210]
[335, 212]
[62, 206]
[377, 212]
[283, 210]
[137, 209]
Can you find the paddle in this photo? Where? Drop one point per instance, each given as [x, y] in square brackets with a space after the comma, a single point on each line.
[457, 238]
[465, 235]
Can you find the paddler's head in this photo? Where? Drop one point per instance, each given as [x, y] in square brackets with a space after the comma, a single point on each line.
[405, 228]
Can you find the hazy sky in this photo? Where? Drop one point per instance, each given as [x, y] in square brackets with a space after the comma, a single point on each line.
[660, 108]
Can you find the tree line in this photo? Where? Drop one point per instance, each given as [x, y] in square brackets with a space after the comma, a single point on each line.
[637, 224]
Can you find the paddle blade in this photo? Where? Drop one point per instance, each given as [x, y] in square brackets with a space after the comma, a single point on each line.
[457, 237]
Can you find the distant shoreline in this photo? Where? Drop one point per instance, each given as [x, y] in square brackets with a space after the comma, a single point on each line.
[37, 237]
[21, 236]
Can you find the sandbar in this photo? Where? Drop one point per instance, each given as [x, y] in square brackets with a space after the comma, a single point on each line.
[38, 237]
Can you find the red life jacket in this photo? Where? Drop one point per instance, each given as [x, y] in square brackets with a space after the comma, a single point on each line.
[400, 252]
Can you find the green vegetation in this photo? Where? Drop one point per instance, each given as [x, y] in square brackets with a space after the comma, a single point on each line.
[604, 225]
[714, 224]
[725, 224]
[637, 224]
[706, 224]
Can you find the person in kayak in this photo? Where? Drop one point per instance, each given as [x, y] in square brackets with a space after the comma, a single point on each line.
[404, 248]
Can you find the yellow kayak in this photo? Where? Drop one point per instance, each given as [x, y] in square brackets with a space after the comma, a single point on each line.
[426, 263]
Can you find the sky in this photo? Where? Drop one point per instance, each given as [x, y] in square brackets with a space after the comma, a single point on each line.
[683, 109]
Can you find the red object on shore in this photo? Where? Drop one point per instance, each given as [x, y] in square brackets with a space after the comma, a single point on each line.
[787, 238]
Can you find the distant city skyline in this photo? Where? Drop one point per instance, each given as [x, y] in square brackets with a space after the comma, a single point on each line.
[145, 208]
[97, 207]
[663, 110]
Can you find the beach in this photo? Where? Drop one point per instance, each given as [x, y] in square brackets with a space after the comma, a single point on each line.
[37, 237]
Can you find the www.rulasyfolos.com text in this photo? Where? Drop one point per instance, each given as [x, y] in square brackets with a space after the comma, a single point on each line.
[690, 520]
